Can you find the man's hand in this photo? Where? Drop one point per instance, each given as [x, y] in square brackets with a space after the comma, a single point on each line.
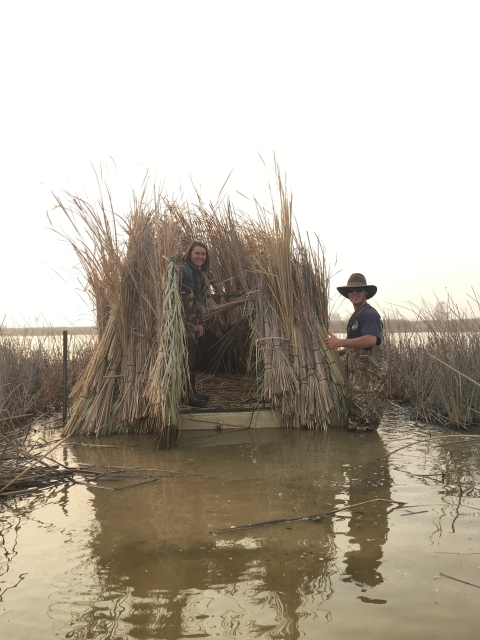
[332, 342]
[362, 342]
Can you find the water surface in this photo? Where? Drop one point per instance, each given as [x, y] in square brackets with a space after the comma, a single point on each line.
[141, 562]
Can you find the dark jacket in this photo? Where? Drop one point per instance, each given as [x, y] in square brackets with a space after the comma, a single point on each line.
[193, 289]
[193, 280]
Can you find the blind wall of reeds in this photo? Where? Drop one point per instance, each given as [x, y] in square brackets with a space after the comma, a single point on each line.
[268, 306]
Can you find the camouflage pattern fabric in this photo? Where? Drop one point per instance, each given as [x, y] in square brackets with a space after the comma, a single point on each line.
[193, 353]
[193, 316]
[193, 311]
[366, 371]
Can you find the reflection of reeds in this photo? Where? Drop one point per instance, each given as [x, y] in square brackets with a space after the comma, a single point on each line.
[31, 376]
[266, 316]
[435, 369]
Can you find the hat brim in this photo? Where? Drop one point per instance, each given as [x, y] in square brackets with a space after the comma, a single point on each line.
[370, 288]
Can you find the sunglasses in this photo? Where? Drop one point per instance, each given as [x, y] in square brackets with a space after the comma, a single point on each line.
[357, 289]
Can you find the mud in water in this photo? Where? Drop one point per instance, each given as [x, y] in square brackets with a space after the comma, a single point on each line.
[140, 562]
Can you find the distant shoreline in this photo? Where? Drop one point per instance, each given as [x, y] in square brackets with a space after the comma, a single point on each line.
[47, 331]
[337, 326]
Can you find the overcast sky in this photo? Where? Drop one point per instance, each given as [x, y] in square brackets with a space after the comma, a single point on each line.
[372, 109]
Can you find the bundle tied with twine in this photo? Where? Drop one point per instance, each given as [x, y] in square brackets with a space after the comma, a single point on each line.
[168, 382]
[267, 311]
[301, 377]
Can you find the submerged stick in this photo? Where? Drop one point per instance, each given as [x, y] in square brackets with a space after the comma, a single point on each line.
[458, 580]
[305, 518]
[137, 484]
[18, 491]
[469, 490]
[412, 444]
[87, 444]
[95, 486]
[413, 513]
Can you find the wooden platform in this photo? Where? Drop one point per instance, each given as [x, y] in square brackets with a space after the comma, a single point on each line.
[196, 420]
[233, 404]
[199, 419]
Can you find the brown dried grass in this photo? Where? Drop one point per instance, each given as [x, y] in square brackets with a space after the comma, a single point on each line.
[268, 310]
[31, 370]
[436, 370]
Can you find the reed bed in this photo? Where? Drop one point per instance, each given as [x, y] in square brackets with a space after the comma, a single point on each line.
[436, 369]
[266, 313]
[31, 374]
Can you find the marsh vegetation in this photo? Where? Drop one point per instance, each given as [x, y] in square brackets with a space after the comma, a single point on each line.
[434, 365]
[436, 370]
[31, 374]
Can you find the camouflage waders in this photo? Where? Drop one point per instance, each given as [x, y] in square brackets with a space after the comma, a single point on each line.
[193, 316]
[366, 371]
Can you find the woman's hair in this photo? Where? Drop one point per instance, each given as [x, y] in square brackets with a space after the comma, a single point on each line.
[188, 252]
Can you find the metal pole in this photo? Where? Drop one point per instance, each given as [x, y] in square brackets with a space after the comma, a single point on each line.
[65, 377]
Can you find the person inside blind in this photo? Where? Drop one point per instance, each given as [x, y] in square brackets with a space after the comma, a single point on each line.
[193, 268]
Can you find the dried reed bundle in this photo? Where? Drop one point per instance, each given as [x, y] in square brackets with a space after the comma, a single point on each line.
[168, 382]
[291, 326]
[109, 397]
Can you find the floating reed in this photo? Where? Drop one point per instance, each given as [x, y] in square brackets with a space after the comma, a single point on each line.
[266, 314]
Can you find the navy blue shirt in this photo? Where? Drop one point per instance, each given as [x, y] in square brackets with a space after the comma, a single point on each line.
[366, 323]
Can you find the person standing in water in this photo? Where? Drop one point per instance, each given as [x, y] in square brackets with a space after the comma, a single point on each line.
[366, 369]
[193, 267]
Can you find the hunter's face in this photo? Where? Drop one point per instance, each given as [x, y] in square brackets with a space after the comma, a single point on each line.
[198, 257]
[357, 295]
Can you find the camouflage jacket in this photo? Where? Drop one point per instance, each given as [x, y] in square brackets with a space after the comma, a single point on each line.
[193, 290]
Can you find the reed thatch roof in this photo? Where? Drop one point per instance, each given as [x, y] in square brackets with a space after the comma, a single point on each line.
[267, 311]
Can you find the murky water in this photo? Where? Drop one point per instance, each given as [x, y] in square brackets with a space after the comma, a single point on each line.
[140, 562]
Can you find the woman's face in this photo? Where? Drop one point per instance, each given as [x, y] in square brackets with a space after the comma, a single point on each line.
[198, 257]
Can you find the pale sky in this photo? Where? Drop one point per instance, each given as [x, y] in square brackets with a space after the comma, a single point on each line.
[372, 108]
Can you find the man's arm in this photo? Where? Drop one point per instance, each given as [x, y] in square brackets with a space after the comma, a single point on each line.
[363, 342]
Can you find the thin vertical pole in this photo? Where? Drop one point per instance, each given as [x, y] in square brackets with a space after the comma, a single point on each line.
[65, 376]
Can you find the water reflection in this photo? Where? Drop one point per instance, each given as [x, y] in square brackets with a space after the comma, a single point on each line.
[368, 479]
[164, 575]
[141, 563]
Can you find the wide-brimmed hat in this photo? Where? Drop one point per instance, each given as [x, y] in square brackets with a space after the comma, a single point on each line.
[358, 280]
